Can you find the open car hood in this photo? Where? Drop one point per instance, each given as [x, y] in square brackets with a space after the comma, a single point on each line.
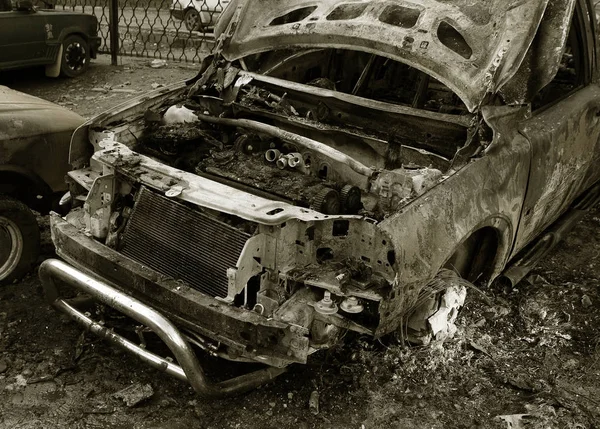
[472, 46]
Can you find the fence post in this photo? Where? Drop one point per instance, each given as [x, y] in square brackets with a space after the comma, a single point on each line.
[113, 25]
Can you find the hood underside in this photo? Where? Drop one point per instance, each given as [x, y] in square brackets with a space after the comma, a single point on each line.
[471, 46]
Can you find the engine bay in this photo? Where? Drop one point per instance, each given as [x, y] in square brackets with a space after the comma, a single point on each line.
[314, 141]
[264, 190]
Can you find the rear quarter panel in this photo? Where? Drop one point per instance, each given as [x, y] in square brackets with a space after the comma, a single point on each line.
[64, 23]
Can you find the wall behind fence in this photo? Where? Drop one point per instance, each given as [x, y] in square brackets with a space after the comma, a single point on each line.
[180, 30]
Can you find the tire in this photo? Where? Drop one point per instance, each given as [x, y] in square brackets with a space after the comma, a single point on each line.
[75, 56]
[19, 240]
[192, 20]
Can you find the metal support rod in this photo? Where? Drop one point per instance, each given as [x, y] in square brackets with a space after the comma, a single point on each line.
[113, 25]
[293, 138]
[189, 367]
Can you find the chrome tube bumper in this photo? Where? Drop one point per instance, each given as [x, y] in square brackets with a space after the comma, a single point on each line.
[188, 367]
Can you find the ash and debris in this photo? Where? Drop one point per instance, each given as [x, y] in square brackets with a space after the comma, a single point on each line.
[135, 394]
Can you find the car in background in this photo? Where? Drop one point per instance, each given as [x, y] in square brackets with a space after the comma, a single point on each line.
[197, 14]
[34, 153]
[63, 41]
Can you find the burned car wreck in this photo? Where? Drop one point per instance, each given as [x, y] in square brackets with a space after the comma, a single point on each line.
[336, 166]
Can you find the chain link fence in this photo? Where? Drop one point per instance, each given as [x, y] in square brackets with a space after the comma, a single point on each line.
[180, 30]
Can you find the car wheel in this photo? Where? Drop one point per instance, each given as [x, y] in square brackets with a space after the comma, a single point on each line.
[192, 20]
[19, 239]
[75, 56]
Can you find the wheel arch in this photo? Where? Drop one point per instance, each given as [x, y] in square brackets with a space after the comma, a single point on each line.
[72, 31]
[53, 69]
[482, 253]
[25, 186]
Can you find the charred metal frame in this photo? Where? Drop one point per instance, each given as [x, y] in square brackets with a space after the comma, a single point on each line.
[245, 334]
[189, 368]
[488, 197]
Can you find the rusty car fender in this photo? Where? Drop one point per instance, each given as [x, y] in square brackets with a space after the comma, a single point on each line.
[449, 213]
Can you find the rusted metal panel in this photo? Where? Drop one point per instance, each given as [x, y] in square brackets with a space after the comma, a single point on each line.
[543, 56]
[563, 138]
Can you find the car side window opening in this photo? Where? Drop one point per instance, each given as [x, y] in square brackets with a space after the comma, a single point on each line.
[5, 5]
[571, 71]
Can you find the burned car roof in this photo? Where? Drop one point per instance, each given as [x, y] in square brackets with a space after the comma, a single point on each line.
[468, 45]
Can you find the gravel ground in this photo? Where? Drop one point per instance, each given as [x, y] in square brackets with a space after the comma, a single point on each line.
[522, 358]
[102, 86]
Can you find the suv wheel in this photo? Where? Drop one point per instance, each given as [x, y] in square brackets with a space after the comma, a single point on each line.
[75, 56]
[192, 20]
[19, 239]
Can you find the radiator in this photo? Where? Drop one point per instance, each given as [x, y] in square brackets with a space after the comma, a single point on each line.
[182, 243]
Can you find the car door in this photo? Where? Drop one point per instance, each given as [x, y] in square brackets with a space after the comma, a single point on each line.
[563, 131]
[23, 36]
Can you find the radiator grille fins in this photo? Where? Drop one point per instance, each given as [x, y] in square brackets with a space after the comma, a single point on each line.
[182, 243]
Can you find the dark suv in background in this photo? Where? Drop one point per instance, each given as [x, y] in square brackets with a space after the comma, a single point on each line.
[63, 41]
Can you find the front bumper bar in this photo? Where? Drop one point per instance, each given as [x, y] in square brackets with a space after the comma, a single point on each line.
[189, 368]
[245, 335]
